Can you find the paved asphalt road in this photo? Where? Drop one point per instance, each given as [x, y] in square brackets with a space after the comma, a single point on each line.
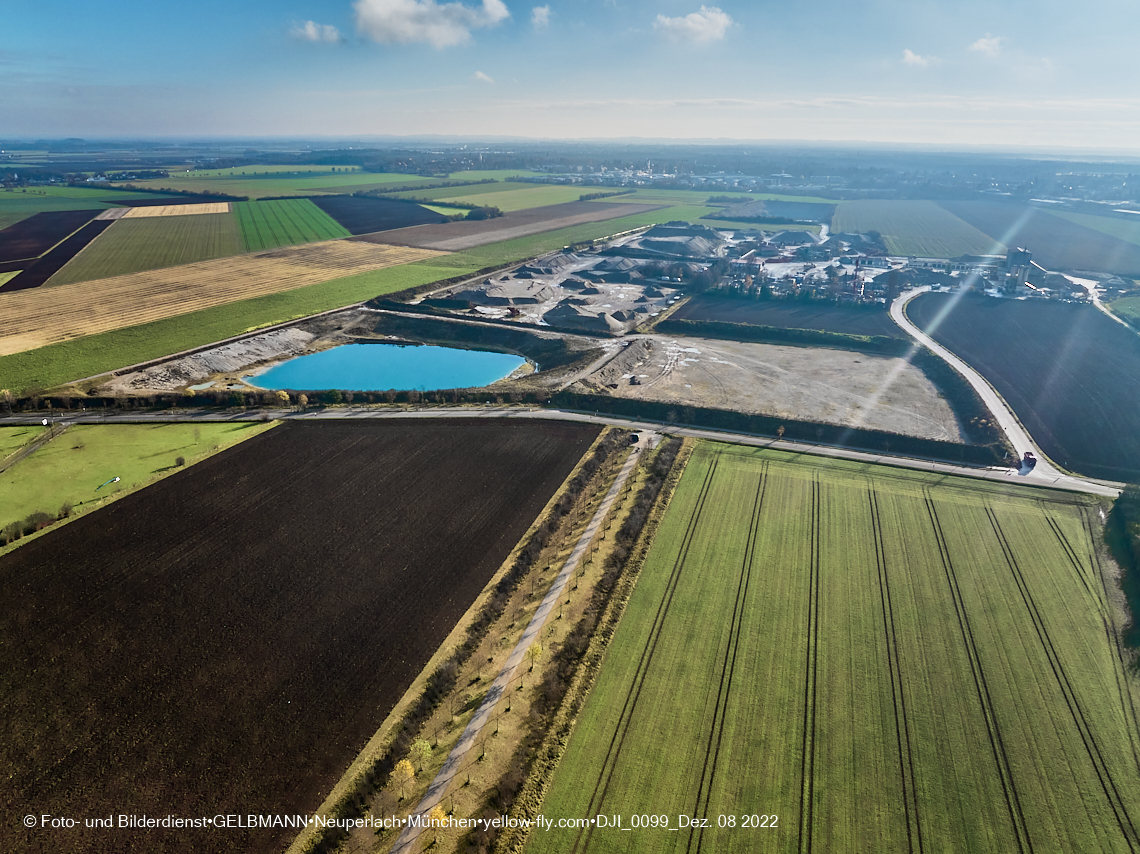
[1035, 478]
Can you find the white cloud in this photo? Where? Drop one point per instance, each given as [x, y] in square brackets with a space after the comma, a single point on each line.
[912, 58]
[990, 45]
[706, 25]
[482, 78]
[540, 16]
[311, 31]
[441, 25]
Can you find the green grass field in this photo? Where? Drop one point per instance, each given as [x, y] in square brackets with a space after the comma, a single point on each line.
[68, 468]
[874, 659]
[1128, 309]
[16, 205]
[149, 243]
[533, 196]
[919, 228]
[441, 193]
[493, 174]
[14, 438]
[287, 222]
[1125, 229]
[6, 277]
[699, 197]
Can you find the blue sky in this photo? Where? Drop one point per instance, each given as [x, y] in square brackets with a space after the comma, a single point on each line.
[1010, 73]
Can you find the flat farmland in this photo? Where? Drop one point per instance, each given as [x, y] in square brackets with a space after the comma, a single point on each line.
[915, 228]
[1056, 243]
[1070, 374]
[865, 659]
[1128, 309]
[152, 243]
[16, 205]
[533, 196]
[35, 235]
[1123, 227]
[284, 222]
[467, 234]
[359, 215]
[143, 211]
[47, 265]
[227, 640]
[261, 186]
[35, 318]
[434, 193]
[791, 315]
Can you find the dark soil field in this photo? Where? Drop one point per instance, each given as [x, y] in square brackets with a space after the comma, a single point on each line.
[364, 215]
[39, 271]
[151, 201]
[847, 320]
[454, 236]
[1056, 243]
[225, 641]
[1071, 374]
[35, 235]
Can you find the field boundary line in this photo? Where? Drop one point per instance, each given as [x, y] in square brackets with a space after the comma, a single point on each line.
[1113, 634]
[1080, 721]
[985, 701]
[496, 690]
[731, 650]
[811, 671]
[907, 775]
[647, 654]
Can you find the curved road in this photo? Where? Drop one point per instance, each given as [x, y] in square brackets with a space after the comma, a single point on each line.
[1044, 473]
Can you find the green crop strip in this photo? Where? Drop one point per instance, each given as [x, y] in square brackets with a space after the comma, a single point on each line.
[284, 222]
[885, 660]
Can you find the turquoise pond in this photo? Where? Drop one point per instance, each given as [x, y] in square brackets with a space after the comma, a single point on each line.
[379, 367]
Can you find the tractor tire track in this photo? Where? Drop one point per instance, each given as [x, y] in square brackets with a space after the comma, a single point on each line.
[811, 670]
[985, 700]
[728, 669]
[629, 707]
[1080, 721]
[907, 775]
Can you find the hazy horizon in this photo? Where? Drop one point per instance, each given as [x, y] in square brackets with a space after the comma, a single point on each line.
[1019, 76]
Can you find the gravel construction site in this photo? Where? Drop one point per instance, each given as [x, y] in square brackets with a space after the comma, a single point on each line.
[809, 384]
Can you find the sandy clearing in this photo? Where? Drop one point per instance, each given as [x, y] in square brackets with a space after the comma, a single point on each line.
[40, 316]
[813, 384]
[178, 210]
[113, 213]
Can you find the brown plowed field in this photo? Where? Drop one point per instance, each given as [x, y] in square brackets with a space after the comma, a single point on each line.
[454, 236]
[35, 235]
[32, 319]
[40, 270]
[225, 641]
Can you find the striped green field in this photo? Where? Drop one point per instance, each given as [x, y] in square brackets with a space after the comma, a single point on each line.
[918, 228]
[150, 243]
[286, 222]
[863, 659]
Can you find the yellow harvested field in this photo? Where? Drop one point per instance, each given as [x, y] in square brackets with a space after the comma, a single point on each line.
[40, 316]
[178, 210]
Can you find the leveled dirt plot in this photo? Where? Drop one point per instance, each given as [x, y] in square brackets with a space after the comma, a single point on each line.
[791, 315]
[227, 640]
[864, 659]
[1071, 374]
[35, 235]
[177, 210]
[915, 228]
[454, 236]
[42, 269]
[135, 245]
[808, 384]
[366, 215]
[284, 222]
[1056, 244]
[33, 319]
